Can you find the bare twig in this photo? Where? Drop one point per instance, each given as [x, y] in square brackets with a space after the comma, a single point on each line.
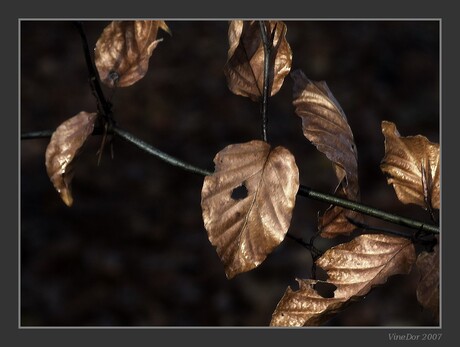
[367, 210]
[103, 106]
[159, 154]
[264, 106]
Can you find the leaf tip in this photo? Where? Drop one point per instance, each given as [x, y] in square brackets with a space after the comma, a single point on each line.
[66, 196]
[165, 27]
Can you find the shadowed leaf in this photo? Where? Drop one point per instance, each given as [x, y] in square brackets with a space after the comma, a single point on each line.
[324, 124]
[428, 287]
[354, 268]
[245, 64]
[412, 166]
[65, 144]
[123, 50]
[245, 225]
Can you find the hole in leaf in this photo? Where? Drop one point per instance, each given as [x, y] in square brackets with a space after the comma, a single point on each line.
[113, 75]
[321, 274]
[325, 289]
[239, 193]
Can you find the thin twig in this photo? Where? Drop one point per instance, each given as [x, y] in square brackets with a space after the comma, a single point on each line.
[367, 210]
[264, 106]
[315, 251]
[299, 241]
[159, 154]
[46, 134]
[103, 106]
[303, 190]
[37, 135]
[378, 229]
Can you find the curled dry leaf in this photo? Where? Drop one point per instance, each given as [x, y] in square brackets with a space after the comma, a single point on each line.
[247, 203]
[244, 69]
[65, 144]
[412, 166]
[354, 268]
[324, 124]
[123, 50]
[428, 287]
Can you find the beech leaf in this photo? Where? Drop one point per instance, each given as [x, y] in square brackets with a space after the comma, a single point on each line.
[64, 146]
[325, 125]
[123, 50]
[354, 268]
[412, 166]
[244, 69]
[428, 287]
[247, 203]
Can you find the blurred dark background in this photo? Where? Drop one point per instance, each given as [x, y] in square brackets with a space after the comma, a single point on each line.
[132, 250]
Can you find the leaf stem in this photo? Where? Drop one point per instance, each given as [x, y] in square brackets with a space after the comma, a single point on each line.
[264, 105]
[303, 190]
[307, 245]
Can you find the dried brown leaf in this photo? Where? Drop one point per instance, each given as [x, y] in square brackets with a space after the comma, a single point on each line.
[324, 124]
[247, 203]
[65, 144]
[354, 268]
[412, 166]
[428, 287]
[245, 64]
[123, 50]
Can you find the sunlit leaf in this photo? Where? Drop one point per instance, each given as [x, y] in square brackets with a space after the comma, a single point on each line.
[123, 50]
[65, 144]
[247, 203]
[412, 166]
[354, 268]
[324, 124]
[428, 287]
[245, 64]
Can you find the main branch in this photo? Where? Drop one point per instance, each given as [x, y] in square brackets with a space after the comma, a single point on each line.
[303, 190]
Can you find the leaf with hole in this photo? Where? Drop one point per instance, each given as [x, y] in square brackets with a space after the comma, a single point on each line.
[244, 69]
[354, 268]
[123, 50]
[428, 287]
[325, 125]
[247, 203]
[62, 150]
[412, 166]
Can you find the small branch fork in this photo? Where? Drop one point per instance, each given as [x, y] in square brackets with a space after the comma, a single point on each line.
[103, 106]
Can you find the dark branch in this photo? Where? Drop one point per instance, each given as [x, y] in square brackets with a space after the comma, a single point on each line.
[369, 211]
[48, 133]
[37, 135]
[159, 154]
[315, 251]
[303, 190]
[264, 106]
[103, 106]
[378, 229]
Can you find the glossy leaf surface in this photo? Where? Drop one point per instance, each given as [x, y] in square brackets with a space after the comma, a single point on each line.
[64, 146]
[247, 203]
[123, 50]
